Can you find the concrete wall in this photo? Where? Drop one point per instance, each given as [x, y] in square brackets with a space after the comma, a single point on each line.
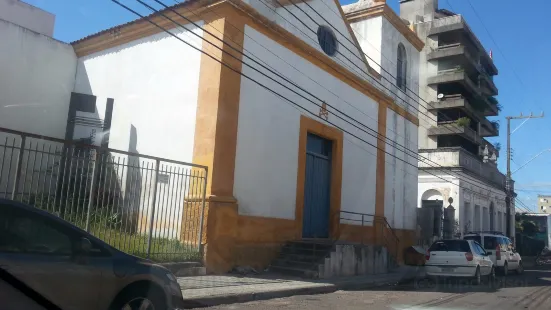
[36, 80]
[268, 135]
[27, 16]
[427, 93]
[154, 84]
[354, 260]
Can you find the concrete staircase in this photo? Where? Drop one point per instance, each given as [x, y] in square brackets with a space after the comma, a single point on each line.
[325, 259]
[302, 258]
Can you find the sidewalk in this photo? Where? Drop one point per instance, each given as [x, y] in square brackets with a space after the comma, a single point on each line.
[205, 291]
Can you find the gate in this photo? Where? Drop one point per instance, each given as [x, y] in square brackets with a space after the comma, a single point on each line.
[143, 205]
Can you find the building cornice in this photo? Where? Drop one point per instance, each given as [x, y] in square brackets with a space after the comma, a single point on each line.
[385, 11]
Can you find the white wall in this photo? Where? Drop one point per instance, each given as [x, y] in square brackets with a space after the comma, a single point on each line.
[379, 40]
[28, 16]
[306, 21]
[464, 189]
[36, 80]
[268, 135]
[369, 33]
[154, 83]
[391, 39]
[401, 172]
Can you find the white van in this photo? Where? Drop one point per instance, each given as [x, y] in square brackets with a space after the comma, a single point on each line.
[500, 249]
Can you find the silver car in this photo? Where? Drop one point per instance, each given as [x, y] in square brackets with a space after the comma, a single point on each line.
[75, 270]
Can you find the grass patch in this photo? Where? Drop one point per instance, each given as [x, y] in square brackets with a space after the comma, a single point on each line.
[107, 224]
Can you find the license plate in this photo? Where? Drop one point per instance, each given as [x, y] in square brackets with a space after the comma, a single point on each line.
[447, 269]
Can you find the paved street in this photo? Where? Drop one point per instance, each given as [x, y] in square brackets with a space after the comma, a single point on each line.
[529, 291]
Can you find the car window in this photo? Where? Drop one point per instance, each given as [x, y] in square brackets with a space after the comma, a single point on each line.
[450, 246]
[490, 242]
[509, 244]
[474, 238]
[24, 232]
[479, 249]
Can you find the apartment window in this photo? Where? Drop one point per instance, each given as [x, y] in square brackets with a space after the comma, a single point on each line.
[402, 64]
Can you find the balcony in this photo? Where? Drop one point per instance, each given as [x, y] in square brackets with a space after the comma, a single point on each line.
[456, 23]
[488, 129]
[452, 128]
[457, 51]
[488, 86]
[454, 76]
[491, 107]
[457, 157]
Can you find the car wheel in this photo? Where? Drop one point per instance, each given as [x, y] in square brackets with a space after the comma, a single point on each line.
[492, 277]
[505, 269]
[477, 277]
[520, 268]
[140, 298]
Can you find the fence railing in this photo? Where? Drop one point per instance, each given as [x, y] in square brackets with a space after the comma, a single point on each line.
[373, 229]
[143, 205]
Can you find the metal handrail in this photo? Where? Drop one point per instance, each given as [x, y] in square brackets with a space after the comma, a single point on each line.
[374, 219]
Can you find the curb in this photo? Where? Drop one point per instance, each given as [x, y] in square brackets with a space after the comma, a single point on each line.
[248, 297]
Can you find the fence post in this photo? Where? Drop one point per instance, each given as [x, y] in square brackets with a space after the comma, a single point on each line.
[19, 166]
[362, 234]
[203, 210]
[153, 203]
[91, 196]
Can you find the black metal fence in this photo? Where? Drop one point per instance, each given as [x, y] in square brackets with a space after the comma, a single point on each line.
[143, 205]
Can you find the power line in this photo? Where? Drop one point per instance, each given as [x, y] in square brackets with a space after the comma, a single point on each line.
[405, 92]
[260, 84]
[303, 23]
[294, 85]
[495, 43]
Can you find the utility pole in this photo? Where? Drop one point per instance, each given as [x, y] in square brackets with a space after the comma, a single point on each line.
[508, 181]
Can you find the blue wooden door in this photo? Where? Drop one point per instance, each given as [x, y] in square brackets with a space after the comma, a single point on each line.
[317, 188]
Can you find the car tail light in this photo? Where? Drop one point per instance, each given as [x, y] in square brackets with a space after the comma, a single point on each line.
[498, 252]
[469, 256]
[427, 256]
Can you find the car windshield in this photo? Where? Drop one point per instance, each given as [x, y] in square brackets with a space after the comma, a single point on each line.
[450, 246]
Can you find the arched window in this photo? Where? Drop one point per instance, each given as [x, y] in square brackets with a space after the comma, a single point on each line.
[402, 67]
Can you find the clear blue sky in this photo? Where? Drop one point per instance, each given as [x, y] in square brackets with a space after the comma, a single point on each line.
[522, 45]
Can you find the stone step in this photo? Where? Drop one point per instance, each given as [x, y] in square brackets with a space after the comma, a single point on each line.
[304, 258]
[283, 262]
[296, 272]
[311, 245]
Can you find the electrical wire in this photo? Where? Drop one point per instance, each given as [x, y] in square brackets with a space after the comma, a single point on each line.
[373, 135]
[258, 83]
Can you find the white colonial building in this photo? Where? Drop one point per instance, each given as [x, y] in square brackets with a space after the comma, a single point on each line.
[294, 121]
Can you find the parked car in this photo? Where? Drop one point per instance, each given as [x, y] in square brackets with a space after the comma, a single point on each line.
[501, 250]
[75, 270]
[459, 258]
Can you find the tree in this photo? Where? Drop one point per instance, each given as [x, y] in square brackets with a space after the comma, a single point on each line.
[529, 227]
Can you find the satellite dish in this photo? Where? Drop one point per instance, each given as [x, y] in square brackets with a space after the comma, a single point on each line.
[440, 96]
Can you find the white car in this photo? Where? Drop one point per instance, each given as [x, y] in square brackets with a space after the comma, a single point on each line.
[459, 258]
[501, 250]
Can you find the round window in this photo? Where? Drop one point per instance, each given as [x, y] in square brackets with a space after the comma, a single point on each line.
[327, 40]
